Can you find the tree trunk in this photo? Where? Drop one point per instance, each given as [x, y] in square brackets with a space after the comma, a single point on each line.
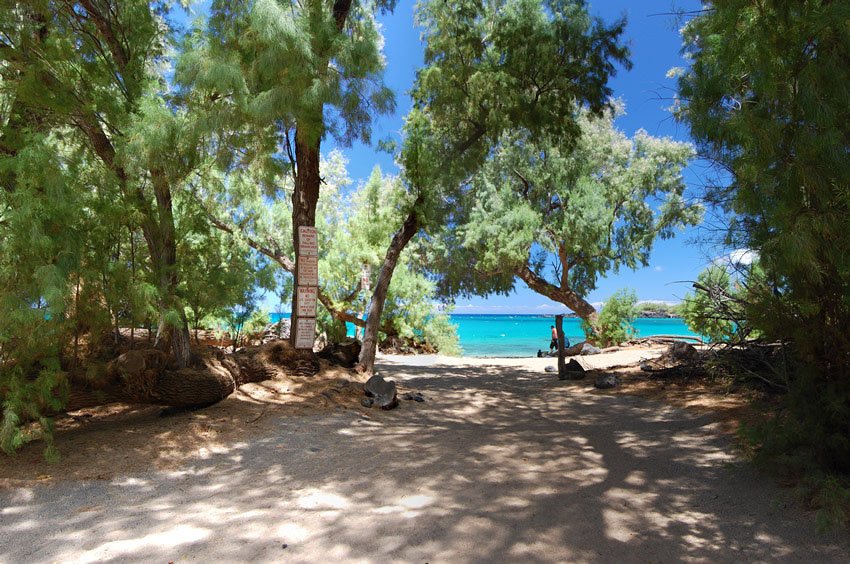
[164, 261]
[379, 296]
[559, 328]
[305, 196]
[576, 303]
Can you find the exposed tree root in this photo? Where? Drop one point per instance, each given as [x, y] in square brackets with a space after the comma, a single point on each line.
[146, 376]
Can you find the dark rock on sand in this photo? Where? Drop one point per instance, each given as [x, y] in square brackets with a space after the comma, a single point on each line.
[573, 370]
[550, 369]
[606, 381]
[341, 354]
[681, 350]
[383, 392]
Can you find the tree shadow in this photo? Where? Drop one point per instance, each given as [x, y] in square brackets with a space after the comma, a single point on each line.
[497, 464]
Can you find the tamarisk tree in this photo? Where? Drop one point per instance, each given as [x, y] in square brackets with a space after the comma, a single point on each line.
[766, 98]
[278, 77]
[558, 216]
[490, 69]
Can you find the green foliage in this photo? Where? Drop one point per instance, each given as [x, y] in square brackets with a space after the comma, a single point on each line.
[705, 310]
[356, 229]
[766, 98]
[615, 322]
[591, 206]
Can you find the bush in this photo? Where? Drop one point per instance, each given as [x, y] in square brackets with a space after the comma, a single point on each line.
[615, 321]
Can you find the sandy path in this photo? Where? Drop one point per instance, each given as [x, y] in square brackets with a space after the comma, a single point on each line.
[500, 464]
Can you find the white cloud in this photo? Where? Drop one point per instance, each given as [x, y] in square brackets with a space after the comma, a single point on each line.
[658, 269]
[738, 257]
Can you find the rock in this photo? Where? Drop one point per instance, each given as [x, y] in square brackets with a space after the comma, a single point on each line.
[606, 381]
[646, 367]
[681, 350]
[342, 354]
[367, 402]
[415, 396]
[587, 348]
[382, 392]
[276, 331]
[572, 371]
[574, 366]
[573, 350]
[550, 369]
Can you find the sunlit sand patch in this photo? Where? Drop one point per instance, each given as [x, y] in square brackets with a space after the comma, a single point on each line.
[174, 537]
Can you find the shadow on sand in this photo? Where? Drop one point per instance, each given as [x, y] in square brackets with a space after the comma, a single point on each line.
[497, 465]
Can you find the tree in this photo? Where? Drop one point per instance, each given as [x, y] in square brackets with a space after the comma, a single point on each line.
[93, 73]
[714, 309]
[766, 99]
[592, 206]
[358, 238]
[615, 322]
[506, 66]
[329, 54]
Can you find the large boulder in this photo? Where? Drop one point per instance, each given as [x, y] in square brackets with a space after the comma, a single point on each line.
[382, 392]
[681, 350]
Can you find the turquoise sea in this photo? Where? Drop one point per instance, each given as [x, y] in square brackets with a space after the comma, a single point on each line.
[523, 335]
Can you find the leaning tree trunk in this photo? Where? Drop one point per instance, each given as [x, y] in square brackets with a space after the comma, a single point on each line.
[379, 296]
[562, 294]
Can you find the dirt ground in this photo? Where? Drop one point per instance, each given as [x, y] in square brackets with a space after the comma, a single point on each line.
[502, 462]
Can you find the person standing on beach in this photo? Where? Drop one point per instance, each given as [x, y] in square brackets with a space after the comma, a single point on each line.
[554, 344]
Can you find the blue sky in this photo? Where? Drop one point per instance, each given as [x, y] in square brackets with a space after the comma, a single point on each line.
[654, 40]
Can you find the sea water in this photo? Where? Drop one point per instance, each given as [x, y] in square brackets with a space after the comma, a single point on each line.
[524, 335]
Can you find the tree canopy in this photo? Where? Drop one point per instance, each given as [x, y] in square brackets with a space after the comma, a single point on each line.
[591, 206]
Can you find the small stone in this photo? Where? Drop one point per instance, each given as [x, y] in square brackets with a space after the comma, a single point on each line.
[681, 350]
[284, 545]
[550, 369]
[418, 397]
[367, 402]
[646, 367]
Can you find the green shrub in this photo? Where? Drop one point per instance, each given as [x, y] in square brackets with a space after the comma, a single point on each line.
[615, 321]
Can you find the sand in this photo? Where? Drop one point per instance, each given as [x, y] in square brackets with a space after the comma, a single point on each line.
[501, 463]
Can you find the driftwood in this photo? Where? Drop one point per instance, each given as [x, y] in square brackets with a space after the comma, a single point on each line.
[666, 339]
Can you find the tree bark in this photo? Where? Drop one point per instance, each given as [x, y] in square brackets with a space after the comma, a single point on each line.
[305, 196]
[559, 328]
[559, 294]
[165, 267]
[379, 296]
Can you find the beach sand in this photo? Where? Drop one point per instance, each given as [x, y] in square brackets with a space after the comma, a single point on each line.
[502, 463]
